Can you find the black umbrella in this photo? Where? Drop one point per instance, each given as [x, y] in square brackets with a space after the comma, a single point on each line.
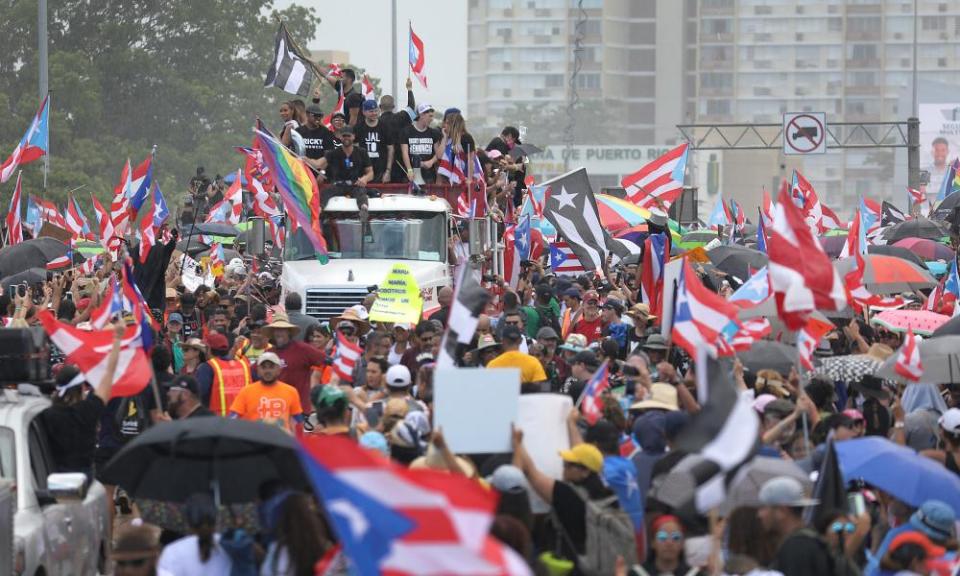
[914, 228]
[173, 460]
[524, 150]
[899, 252]
[767, 354]
[949, 328]
[215, 229]
[833, 245]
[33, 253]
[30, 276]
[948, 204]
[195, 246]
[737, 260]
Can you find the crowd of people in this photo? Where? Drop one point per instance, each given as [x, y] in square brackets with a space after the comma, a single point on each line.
[244, 350]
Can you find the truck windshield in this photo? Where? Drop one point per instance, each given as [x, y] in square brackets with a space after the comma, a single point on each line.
[395, 236]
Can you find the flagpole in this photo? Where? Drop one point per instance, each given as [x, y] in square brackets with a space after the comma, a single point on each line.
[44, 76]
[393, 37]
[409, 34]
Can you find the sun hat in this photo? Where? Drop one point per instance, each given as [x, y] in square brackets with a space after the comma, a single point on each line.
[280, 322]
[352, 315]
[641, 310]
[574, 343]
[785, 491]
[586, 455]
[655, 342]
[547, 333]
[935, 518]
[195, 343]
[663, 396]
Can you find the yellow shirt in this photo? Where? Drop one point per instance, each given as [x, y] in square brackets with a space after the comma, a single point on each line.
[530, 368]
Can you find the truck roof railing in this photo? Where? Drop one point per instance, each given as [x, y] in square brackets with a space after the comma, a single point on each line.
[449, 192]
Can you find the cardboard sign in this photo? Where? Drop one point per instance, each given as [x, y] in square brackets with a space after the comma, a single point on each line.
[543, 419]
[475, 408]
[191, 280]
[55, 232]
[398, 297]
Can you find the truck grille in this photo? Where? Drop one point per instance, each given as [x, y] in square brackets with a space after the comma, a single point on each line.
[325, 304]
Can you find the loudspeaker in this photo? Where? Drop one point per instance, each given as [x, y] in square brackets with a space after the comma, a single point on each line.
[256, 236]
[24, 355]
[688, 203]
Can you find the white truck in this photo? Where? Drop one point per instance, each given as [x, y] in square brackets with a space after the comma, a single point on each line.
[406, 228]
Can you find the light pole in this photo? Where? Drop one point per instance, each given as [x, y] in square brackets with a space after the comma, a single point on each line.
[44, 82]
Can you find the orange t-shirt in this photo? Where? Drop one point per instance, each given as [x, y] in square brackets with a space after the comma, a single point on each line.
[273, 404]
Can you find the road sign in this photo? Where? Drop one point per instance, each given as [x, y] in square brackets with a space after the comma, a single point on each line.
[804, 133]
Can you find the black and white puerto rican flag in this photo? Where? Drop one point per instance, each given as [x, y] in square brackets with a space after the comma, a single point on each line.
[469, 301]
[290, 70]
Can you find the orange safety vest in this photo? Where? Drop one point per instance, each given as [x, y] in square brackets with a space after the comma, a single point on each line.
[229, 377]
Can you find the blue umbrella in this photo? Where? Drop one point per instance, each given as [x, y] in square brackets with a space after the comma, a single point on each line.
[899, 471]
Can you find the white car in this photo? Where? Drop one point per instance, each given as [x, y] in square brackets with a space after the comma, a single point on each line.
[61, 523]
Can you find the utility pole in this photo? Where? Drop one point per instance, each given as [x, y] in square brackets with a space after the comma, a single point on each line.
[393, 52]
[44, 83]
[913, 123]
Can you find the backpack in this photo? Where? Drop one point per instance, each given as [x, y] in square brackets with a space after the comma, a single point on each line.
[131, 419]
[547, 318]
[609, 533]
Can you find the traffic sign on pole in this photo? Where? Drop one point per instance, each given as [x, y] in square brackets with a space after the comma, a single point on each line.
[804, 133]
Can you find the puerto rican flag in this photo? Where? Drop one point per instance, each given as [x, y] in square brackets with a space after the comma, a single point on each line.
[918, 198]
[591, 406]
[328, 119]
[808, 338]
[908, 358]
[120, 207]
[417, 58]
[160, 210]
[754, 291]
[800, 284]
[75, 221]
[397, 521]
[766, 211]
[14, 224]
[334, 70]
[33, 145]
[148, 233]
[230, 208]
[366, 89]
[453, 166]
[48, 212]
[656, 253]
[701, 317]
[658, 184]
[140, 184]
[111, 305]
[517, 246]
[750, 331]
[859, 295]
[90, 351]
[762, 233]
[806, 198]
[104, 222]
[61, 262]
[563, 261]
[346, 358]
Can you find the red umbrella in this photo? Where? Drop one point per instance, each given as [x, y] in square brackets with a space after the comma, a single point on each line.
[889, 274]
[926, 248]
[922, 322]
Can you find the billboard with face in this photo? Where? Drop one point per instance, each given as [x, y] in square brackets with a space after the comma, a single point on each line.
[939, 140]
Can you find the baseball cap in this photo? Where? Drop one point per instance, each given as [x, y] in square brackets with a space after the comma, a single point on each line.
[614, 305]
[340, 114]
[544, 289]
[325, 396]
[761, 402]
[217, 341]
[269, 357]
[785, 491]
[547, 333]
[345, 129]
[315, 109]
[511, 333]
[175, 317]
[572, 293]
[586, 455]
[398, 376]
[450, 111]
[188, 383]
[375, 441]
[508, 478]
[935, 518]
[424, 108]
[587, 358]
[370, 105]
[950, 421]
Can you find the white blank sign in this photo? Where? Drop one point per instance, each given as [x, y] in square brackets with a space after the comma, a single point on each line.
[475, 407]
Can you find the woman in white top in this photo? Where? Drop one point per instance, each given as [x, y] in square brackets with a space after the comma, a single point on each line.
[200, 553]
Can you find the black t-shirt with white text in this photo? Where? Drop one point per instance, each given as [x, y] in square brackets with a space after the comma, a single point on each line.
[341, 168]
[376, 140]
[421, 145]
[317, 141]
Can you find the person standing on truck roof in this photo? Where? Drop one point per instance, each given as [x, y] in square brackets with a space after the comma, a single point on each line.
[349, 170]
[376, 137]
[420, 146]
[71, 421]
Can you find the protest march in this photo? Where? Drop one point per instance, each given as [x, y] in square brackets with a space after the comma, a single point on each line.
[382, 344]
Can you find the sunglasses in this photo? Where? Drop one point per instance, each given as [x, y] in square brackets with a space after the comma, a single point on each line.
[138, 563]
[663, 536]
[838, 527]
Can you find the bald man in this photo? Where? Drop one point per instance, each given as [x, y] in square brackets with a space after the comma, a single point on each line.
[445, 299]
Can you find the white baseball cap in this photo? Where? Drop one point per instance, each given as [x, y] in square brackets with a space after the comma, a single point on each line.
[950, 421]
[424, 108]
[398, 376]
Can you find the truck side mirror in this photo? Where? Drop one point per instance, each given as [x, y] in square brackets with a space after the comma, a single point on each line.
[67, 486]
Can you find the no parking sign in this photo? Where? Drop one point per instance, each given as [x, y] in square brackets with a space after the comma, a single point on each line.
[804, 133]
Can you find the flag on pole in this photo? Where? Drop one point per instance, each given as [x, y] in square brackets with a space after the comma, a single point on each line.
[918, 198]
[908, 358]
[417, 57]
[160, 210]
[808, 338]
[61, 262]
[800, 284]
[140, 183]
[14, 225]
[120, 207]
[762, 233]
[290, 70]
[563, 261]
[656, 253]
[148, 233]
[658, 184]
[33, 145]
[110, 307]
[591, 404]
[700, 316]
[366, 88]
[469, 301]
[104, 222]
[570, 206]
[229, 209]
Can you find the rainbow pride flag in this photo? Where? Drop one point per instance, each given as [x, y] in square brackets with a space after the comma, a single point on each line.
[298, 189]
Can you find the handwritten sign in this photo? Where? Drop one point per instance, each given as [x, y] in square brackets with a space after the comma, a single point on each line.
[398, 297]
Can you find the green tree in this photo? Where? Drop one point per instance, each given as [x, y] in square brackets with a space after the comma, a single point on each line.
[126, 75]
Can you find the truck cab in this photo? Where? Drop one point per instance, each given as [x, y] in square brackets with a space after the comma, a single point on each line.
[404, 228]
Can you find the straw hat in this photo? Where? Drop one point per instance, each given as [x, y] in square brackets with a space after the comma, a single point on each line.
[280, 322]
[433, 460]
[879, 351]
[196, 344]
[351, 315]
[662, 397]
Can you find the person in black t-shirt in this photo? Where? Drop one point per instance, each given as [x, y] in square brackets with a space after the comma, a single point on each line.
[510, 138]
[352, 98]
[420, 146]
[397, 122]
[317, 138]
[349, 170]
[71, 421]
[377, 139]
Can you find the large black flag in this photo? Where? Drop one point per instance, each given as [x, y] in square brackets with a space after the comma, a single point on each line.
[572, 209]
[469, 301]
[890, 214]
[290, 70]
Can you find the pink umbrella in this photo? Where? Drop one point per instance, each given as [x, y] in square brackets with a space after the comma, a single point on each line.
[922, 322]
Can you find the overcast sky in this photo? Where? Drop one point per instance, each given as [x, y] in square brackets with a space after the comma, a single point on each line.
[365, 33]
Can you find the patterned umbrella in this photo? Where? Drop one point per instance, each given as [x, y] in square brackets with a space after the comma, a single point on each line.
[889, 274]
[617, 214]
[849, 368]
[923, 322]
[926, 248]
[637, 234]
